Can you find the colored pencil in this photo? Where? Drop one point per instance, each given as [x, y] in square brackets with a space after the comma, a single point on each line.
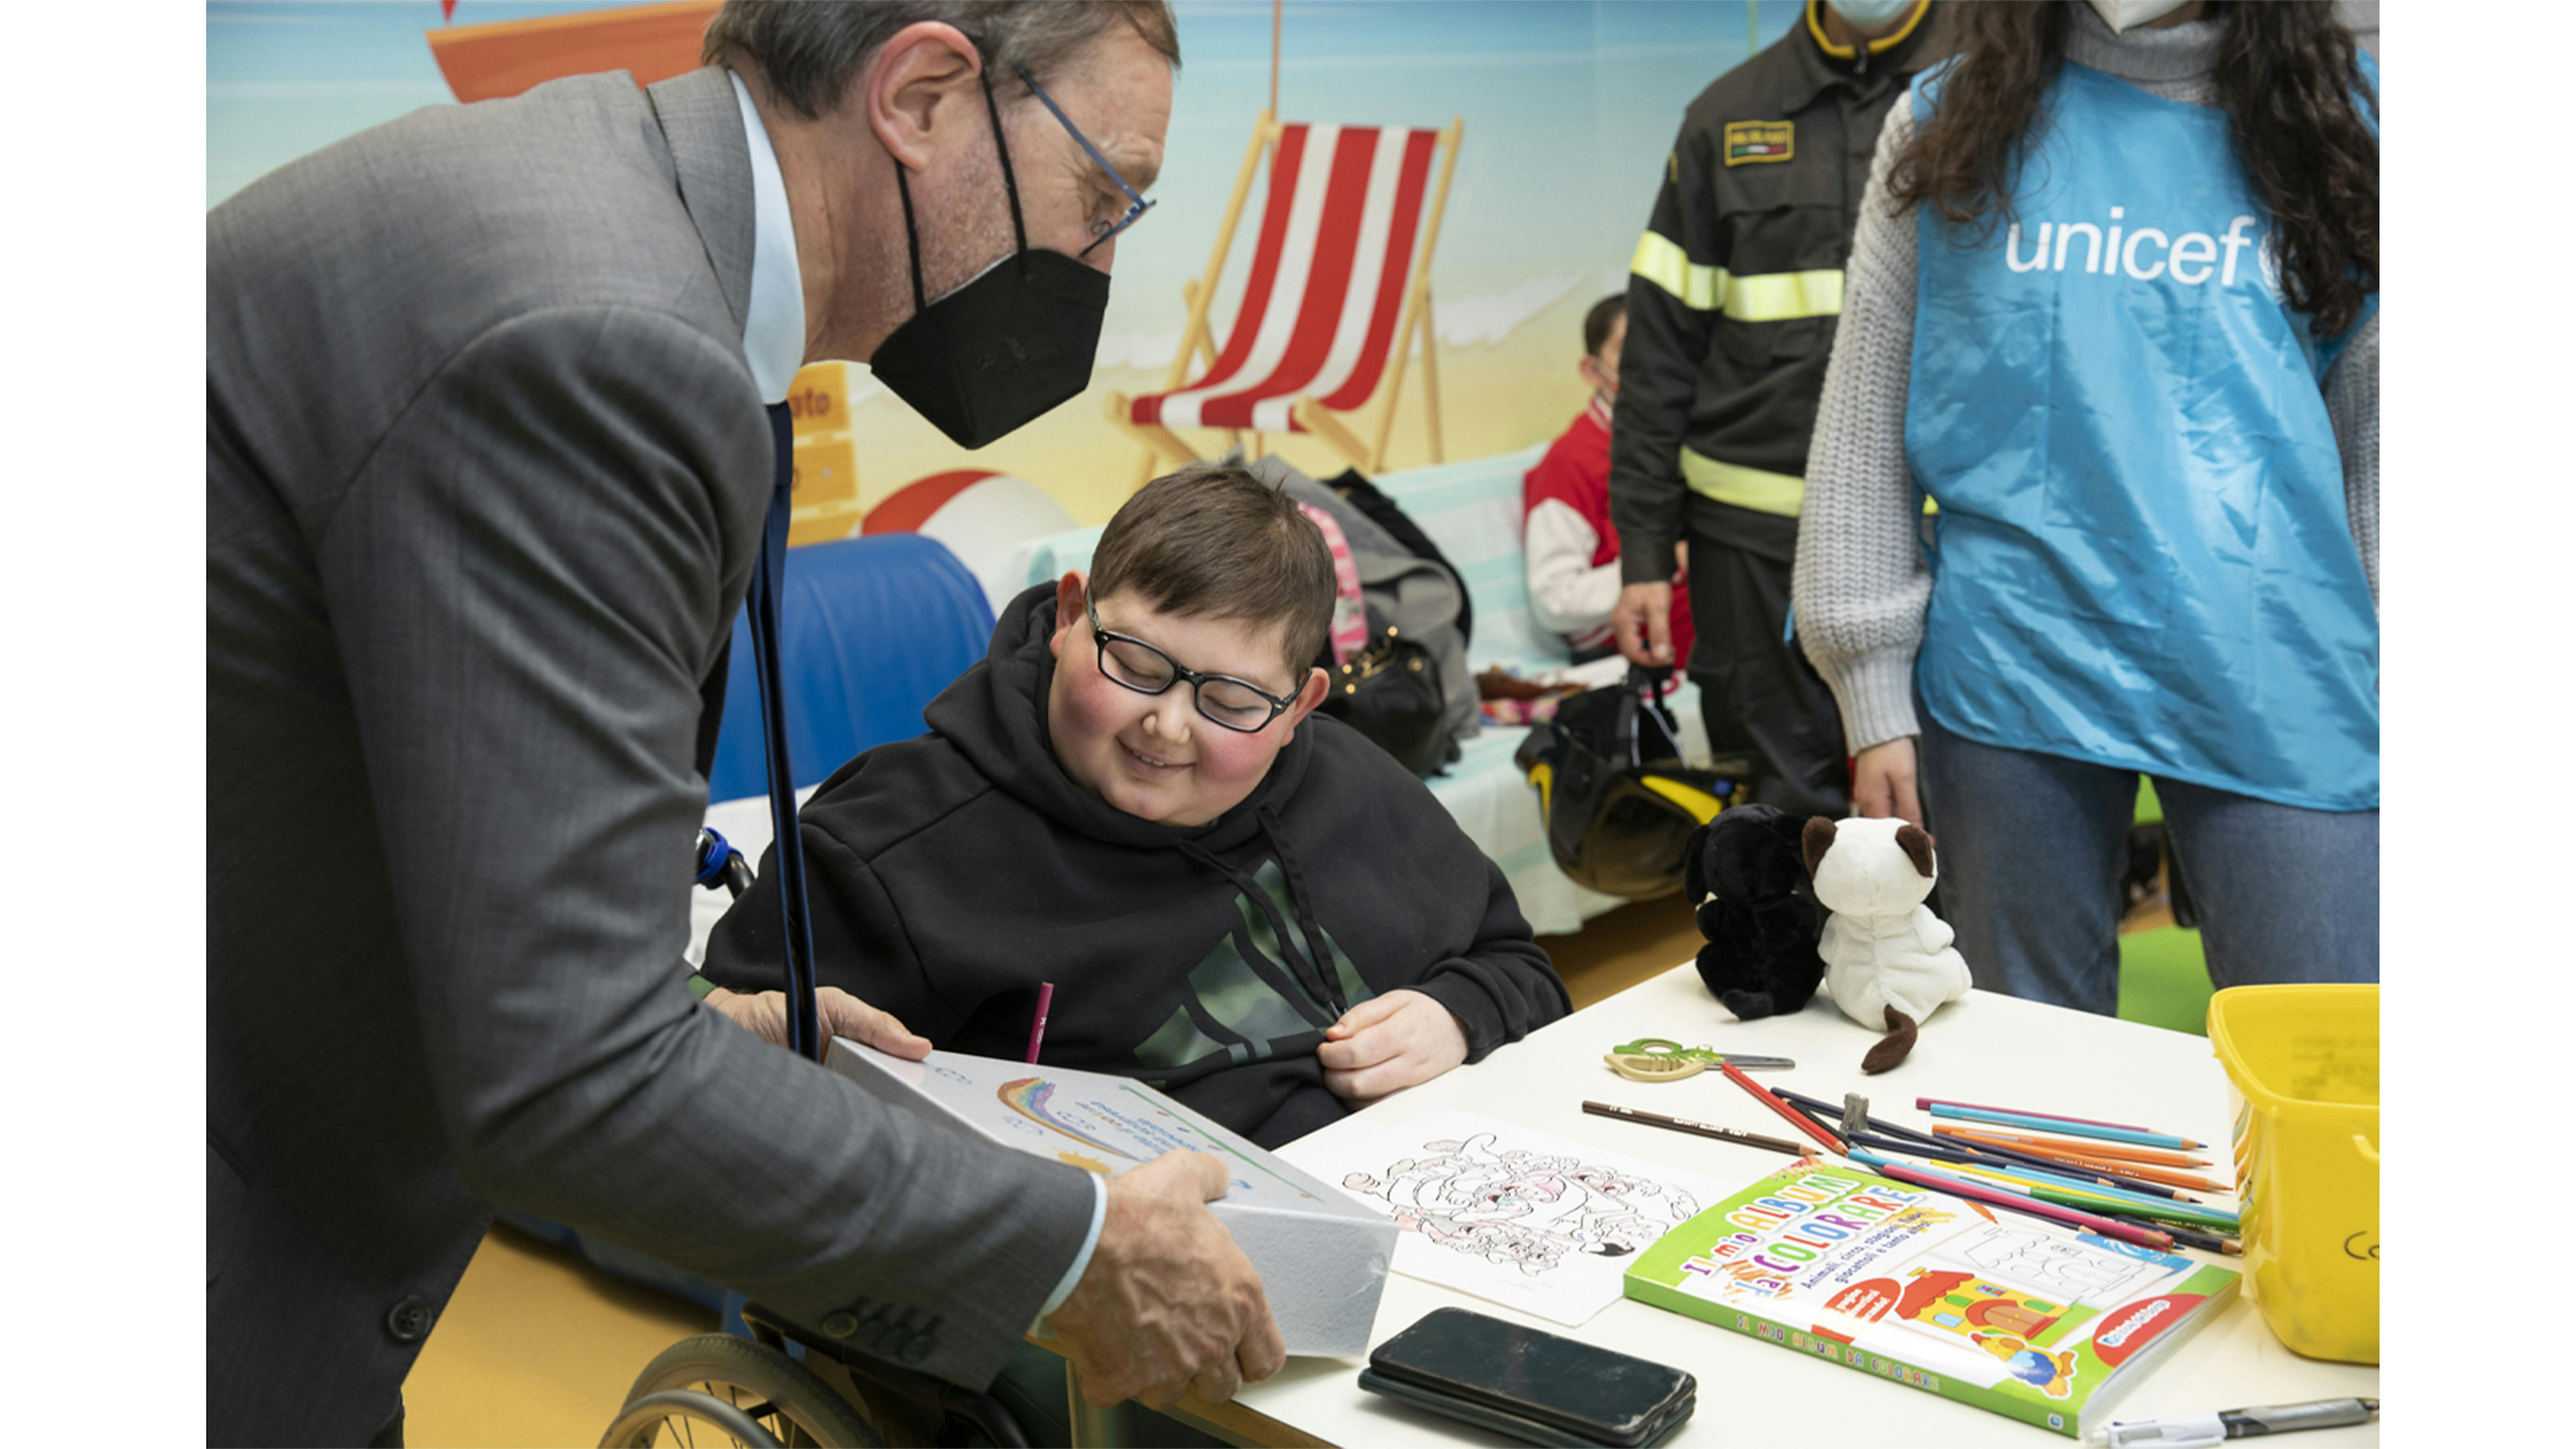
[1925, 1104]
[2206, 1242]
[1789, 1114]
[2079, 1149]
[2108, 1199]
[2023, 1202]
[1831, 1113]
[1037, 1028]
[1684, 1124]
[2165, 1175]
[2067, 1128]
[2073, 1177]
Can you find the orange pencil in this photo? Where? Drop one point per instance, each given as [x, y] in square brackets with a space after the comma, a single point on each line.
[2165, 1175]
[2086, 1148]
[1796, 1118]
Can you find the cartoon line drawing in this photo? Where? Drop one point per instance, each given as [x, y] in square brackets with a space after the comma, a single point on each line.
[1525, 1209]
[2052, 1263]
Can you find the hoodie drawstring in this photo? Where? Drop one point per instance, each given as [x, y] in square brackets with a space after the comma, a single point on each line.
[1305, 966]
[1298, 897]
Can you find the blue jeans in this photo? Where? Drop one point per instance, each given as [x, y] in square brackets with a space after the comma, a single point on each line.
[2031, 850]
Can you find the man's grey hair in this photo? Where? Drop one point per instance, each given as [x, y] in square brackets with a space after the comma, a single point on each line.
[811, 51]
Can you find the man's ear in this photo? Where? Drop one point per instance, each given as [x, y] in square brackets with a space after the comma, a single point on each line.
[920, 88]
[1317, 685]
[1591, 371]
[1070, 592]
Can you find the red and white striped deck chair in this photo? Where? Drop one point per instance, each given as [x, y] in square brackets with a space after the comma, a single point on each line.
[1340, 285]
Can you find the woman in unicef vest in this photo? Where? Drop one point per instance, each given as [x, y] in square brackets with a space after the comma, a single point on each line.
[2113, 309]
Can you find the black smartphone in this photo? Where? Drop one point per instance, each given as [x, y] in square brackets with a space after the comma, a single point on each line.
[1531, 1384]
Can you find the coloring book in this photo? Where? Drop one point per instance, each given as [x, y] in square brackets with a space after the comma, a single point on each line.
[2046, 1324]
[1322, 1260]
[1527, 1220]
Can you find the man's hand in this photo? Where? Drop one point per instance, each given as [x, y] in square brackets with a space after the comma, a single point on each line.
[1883, 781]
[1644, 619]
[1168, 1304]
[765, 1016]
[1387, 1043]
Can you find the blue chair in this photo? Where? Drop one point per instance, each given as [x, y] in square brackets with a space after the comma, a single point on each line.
[872, 628]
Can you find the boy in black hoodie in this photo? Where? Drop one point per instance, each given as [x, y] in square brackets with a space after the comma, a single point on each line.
[1238, 901]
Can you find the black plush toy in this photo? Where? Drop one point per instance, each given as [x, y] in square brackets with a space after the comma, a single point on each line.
[1757, 907]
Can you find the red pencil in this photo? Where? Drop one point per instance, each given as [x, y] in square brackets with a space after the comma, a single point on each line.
[1924, 1104]
[1795, 1118]
[2148, 1237]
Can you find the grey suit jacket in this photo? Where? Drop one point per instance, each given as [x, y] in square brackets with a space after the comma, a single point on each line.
[485, 472]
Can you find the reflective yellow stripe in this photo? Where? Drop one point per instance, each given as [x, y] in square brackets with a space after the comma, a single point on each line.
[1702, 805]
[1766, 297]
[1779, 296]
[1660, 261]
[1743, 487]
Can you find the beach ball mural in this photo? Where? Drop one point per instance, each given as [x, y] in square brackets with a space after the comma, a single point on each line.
[981, 516]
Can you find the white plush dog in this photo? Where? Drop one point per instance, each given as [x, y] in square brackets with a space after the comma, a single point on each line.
[1888, 959]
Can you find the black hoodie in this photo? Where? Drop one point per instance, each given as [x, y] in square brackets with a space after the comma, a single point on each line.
[953, 873]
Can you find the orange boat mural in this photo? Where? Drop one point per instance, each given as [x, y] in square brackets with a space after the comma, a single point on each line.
[486, 62]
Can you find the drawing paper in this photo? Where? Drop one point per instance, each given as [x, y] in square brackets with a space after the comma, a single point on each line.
[1527, 1220]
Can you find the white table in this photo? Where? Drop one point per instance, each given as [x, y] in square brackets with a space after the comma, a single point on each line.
[1984, 1049]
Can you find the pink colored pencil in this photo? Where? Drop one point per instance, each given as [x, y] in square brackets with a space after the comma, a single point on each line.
[2146, 1237]
[1037, 1028]
[1924, 1104]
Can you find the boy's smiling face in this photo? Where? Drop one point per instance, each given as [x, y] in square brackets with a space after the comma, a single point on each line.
[1155, 756]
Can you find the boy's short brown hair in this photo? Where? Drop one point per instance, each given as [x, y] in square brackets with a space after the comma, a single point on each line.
[1211, 541]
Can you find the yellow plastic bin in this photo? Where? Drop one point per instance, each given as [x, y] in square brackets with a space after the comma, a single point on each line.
[2303, 1068]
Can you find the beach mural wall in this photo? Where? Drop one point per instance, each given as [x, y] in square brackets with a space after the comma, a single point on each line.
[1568, 109]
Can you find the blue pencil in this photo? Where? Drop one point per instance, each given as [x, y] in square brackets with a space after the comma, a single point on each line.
[1966, 1150]
[2064, 1128]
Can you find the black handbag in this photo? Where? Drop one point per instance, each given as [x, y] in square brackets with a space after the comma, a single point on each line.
[1390, 693]
[1618, 801]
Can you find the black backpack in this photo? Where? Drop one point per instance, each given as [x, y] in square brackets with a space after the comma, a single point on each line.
[1618, 801]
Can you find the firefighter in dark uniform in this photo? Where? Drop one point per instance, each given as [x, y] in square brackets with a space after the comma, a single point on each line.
[1731, 307]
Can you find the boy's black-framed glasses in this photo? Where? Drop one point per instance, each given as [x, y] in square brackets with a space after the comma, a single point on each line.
[1221, 698]
[1137, 205]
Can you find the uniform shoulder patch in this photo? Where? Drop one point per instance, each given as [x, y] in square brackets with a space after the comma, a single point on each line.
[1751, 141]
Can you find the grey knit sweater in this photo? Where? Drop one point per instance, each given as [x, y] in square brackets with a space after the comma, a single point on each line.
[1861, 584]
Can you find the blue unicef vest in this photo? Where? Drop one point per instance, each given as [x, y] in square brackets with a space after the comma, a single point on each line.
[2143, 558]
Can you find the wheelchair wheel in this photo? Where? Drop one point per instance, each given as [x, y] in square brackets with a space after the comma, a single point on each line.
[763, 1386]
[682, 1416]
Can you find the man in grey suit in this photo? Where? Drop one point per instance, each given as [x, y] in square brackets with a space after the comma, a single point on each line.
[486, 470]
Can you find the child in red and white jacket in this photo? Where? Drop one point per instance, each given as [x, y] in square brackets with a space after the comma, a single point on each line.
[1569, 546]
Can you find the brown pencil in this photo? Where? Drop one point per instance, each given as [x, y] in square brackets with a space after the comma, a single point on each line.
[2086, 1148]
[1702, 1129]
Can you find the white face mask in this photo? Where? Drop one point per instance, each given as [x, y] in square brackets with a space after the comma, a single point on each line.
[2123, 14]
[1869, 14]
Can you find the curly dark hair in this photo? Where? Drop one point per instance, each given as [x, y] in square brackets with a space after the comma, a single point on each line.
[2288, 78]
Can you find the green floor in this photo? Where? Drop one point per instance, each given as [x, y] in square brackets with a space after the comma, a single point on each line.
[2164, 981]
